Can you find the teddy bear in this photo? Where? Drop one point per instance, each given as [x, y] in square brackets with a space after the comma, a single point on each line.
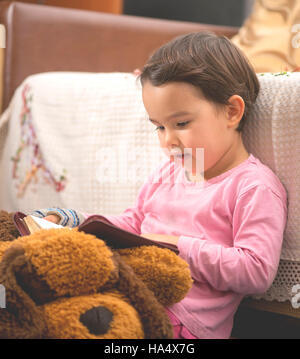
[66, 284]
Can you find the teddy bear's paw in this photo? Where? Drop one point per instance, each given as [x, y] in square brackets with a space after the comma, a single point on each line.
[60, 262]
[165, 273]
[8, 230]
[97, 316]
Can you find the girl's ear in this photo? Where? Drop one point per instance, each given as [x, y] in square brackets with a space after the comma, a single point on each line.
[236, 110]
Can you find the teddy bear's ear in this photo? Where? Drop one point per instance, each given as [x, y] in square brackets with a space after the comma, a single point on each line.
[8, 230]
[20, 317]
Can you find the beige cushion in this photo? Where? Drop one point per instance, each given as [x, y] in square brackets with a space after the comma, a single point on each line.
[270, 37]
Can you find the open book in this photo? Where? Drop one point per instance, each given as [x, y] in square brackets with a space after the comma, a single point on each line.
[97, 225]
[34, 224]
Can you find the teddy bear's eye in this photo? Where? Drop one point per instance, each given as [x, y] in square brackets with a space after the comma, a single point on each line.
[97, 320]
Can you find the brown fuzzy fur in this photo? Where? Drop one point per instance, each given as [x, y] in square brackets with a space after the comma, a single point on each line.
[150, 263]
[21, 319]
[156, 325]
[126, 322]
[47, 273]
[8, 231]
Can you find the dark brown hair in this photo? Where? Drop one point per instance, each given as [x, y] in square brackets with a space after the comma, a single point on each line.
[211, 63]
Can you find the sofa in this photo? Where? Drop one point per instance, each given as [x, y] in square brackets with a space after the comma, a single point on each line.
[74, 133]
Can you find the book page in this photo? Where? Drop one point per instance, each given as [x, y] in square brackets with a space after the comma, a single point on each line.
[44, 224]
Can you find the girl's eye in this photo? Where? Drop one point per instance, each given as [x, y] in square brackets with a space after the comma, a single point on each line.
[182, 124]
[179, 124]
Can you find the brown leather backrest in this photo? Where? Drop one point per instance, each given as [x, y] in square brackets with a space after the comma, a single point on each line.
[43, 38]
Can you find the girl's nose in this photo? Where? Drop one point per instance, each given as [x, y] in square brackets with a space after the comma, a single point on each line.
[170, 139]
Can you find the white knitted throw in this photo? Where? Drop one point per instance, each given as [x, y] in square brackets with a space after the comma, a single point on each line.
[96, 146]
[83, 141]
[273, 135]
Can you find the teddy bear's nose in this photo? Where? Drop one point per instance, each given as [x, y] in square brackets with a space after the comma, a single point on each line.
[97, 320]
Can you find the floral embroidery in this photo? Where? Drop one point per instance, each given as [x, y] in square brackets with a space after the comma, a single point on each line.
[281, 73]
[29, 139]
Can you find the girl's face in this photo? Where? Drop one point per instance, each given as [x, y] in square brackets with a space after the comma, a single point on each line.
[184, 119]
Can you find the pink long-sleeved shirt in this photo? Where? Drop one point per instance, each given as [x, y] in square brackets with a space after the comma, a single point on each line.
[230, 232]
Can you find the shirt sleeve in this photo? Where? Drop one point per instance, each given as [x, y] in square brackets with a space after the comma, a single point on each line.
[68, 217]
[250, 265]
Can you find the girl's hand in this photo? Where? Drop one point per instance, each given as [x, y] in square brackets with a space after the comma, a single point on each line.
[52, 218]
[161, 238]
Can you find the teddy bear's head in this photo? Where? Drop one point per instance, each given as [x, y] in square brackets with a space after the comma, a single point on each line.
[62, 283]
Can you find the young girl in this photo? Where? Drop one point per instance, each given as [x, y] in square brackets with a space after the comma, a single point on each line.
[226, 221]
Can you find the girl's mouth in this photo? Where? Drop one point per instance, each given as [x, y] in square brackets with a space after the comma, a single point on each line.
[179, 154]
[180, 157]
[176, 152]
